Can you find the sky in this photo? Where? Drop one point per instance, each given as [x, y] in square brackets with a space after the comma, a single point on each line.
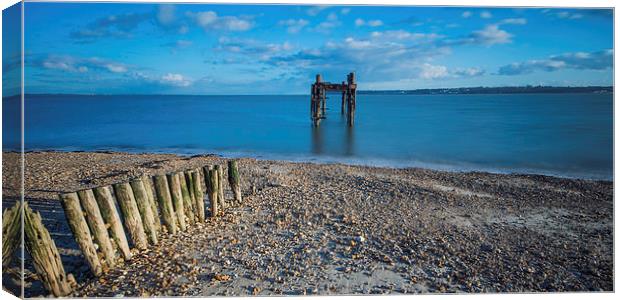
[122, 48]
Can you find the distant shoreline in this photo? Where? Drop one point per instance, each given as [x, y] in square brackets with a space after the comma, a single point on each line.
[434, 91]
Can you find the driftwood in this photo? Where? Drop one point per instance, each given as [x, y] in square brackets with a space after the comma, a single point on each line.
[164, 200]
[75, 217]
[177, 199]
[187, 200]
[97, 226]
[131, 214]
[144, 207]
[11, 233]
[148, 185]
[110, 215]
[211, 181]
[198, 195]
[45, 256]
[233, 180]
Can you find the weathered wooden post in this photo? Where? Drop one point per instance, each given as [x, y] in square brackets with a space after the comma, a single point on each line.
[75, 217]
[234, 180]
[199, 196]
[192, 195]
[165, 203]
[187, 200]
[45, 255]
[351, 94]
[177, 199]
[144, 207]
[344, 93]
[220, 187]
[148, 185]
[211, 178]
[11, 231]
[110, 215]
[97, 226]
[131, 214]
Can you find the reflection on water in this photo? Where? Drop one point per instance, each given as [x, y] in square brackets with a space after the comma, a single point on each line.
[317, 139]
[320, 140]
[349, 141]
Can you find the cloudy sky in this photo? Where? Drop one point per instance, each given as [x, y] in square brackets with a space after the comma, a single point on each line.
[277, 49]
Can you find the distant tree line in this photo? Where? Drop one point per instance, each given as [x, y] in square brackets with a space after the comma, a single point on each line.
[497, 90]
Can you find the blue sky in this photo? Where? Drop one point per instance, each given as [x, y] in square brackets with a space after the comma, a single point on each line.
[116, 48]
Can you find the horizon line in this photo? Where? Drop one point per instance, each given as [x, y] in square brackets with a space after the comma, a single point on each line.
[360, 91]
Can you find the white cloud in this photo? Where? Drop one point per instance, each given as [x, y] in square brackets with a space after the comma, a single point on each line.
[491, 35]
[116, 68]
[372, 23]
[209, 20]
[330, 23]
[345, 11]
[468, 72]
[514, 21]
[568, 15]
[175, 80]
[466, 14]
[486, 15]
[82, 65]
[294, 25]
[599, 60]
[429, 71]
[315, 10]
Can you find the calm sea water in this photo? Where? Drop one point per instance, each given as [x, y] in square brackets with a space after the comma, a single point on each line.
[557, 134]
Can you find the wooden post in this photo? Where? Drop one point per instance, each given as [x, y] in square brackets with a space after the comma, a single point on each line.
[148, 185]
[144, 207]
[192, 195]
[11, 232]
[110, 215]
[75, 217]
[352, 96]
[45, 255]
[97, 226]
[131, 214]
[342, 102]
[177, 199]
[233, 180]
[165, 203]
[211, 177]
[199, 196]
[220, 187]
[187, 200]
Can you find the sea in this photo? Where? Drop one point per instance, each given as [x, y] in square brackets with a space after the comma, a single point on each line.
[566, 135]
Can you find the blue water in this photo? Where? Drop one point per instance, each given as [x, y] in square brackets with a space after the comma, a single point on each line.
[567, 135]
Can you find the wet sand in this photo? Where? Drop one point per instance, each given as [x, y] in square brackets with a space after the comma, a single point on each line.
[338, 229]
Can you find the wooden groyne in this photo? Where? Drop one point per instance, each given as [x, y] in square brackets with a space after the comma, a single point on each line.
[318, 96]
[111, 223]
